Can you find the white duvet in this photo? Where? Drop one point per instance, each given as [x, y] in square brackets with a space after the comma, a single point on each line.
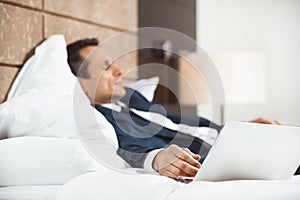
[41, 192]
[34, 177]
[113, 185]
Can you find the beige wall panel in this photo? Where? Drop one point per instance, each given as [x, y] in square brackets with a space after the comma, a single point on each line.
[20, 31]
[192, 86]
[30, 3]
[7, 76]
[116, 13]
[74, 30]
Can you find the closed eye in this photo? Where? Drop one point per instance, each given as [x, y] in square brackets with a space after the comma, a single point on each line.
[108, 62]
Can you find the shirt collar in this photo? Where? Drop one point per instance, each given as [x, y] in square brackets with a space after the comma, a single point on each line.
[114, 106]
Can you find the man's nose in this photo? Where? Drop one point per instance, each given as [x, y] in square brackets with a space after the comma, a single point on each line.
[117, 71]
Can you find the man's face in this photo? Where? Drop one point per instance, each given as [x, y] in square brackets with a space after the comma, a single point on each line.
[104, 84]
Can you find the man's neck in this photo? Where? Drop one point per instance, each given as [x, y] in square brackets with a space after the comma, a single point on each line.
[105, 102]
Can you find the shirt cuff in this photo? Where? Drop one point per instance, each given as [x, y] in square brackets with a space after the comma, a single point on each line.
[149, 160]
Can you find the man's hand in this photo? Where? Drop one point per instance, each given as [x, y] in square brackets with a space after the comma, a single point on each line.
[262, 120]
[175, 161]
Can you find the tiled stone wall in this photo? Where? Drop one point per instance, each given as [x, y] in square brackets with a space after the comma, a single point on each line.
[115, 13]
[21, 29]
[7, 75]
[30, 3]
[26, 23]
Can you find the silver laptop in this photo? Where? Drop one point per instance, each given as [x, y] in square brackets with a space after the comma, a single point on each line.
[252, 151]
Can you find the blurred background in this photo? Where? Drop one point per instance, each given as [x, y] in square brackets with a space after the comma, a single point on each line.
[262, 32]
[254, 45]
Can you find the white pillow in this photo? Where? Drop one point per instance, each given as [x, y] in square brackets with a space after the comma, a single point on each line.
[47, 100]
[146, 87]
[47, 70]
[41, 100]
[41, 96]
[42, 161]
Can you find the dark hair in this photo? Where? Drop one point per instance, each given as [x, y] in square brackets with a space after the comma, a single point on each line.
[75, 60]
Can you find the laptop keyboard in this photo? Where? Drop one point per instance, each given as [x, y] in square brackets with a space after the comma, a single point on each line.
[184, 180]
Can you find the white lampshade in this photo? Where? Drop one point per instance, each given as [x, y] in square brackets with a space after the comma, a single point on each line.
[243, 76]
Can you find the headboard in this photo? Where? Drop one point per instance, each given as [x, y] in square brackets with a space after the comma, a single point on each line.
[24, 24]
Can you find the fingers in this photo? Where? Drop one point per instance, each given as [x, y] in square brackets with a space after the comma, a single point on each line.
[184, 168]
[278, 122]
[185, 156]
[175, 161]
[195, 156]
[169, 173]
[174, 172]
[263, 120]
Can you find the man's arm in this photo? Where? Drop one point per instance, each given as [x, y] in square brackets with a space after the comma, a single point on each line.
[133, 159]
[172, 161]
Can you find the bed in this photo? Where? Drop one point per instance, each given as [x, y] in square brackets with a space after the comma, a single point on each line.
[43, 152]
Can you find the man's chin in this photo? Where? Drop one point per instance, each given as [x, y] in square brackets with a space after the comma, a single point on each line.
[118, 94]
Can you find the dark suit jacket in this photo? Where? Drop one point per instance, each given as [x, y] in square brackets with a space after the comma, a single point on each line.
[137, 136]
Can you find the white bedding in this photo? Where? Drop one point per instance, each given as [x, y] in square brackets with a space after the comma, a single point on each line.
[42, 161]
[108, 183]
[28, 192]
[242, 189]
[114, 185]
[96, 186]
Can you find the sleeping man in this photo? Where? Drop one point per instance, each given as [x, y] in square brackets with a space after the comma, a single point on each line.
[151, 143]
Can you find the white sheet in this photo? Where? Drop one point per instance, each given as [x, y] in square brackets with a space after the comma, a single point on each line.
[114, 185]
[109, 184]
[242, 189]
[28, 192]
[158, 188]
